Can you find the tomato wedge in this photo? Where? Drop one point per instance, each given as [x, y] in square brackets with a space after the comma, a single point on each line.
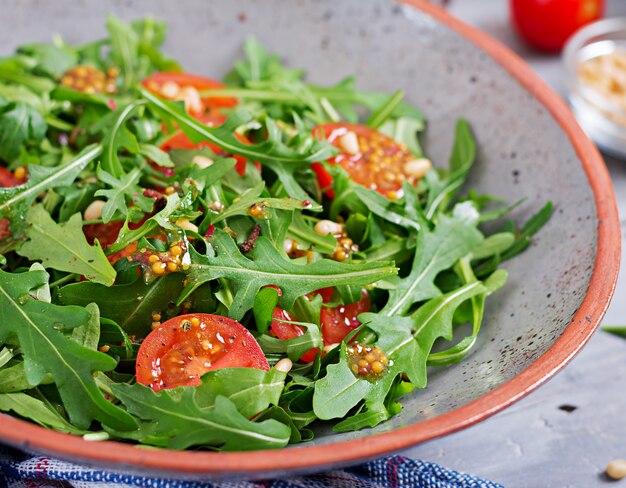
[371, 158]
[180, 141]
[285, 332]
[338, 322]
[171, 85]
[183, 348]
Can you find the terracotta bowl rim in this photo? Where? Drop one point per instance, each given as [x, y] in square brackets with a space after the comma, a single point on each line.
[26, 435]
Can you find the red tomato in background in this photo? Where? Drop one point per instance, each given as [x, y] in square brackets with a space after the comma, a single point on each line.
[547, 24]
[155, 83]
[183, 348]
[378, 164]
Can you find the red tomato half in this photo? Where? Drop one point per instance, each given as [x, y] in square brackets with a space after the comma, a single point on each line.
[180, 141]
[289, 331]
[547, 24]
[376, 161]
[183, 348]
[156, 81]
[338, 322]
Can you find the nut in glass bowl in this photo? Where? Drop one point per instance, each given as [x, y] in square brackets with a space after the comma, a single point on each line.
[595, 64]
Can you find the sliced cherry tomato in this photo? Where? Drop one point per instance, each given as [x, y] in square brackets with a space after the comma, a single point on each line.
[8, 179]
[183, 348]
[107, 235]
[547, 24]
[171, 81]
[289, 331]
[180, 141]
[373, 160]
[338, 322]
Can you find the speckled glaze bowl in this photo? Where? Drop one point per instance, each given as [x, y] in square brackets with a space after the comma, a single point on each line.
[530, 147]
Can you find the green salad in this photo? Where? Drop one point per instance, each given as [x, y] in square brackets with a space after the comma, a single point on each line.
[225, 265]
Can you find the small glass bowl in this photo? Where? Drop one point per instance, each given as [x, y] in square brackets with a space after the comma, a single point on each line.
[602, 119]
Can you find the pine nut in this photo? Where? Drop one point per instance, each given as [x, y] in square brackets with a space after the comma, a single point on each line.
[191, 97]
[288, 245]
[349, 142]
[202, 161]
[185, 224]
[284, 365]
[330, 347]
[417, 168]
[94, 210]
[616, 469]
[324, 227]
[169, 89]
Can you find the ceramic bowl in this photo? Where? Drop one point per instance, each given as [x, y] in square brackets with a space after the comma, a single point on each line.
[529, 147]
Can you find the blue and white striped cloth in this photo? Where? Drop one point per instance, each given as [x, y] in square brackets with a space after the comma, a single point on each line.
[19, 470]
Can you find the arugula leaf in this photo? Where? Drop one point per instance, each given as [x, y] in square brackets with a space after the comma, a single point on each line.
[123, 188]
[385, 208]
[131, 305]
[457, 352]
[271, 150]
[407, 341]
[19, 123]
[294, 348]
[265, 265]
[51, 59]
[15, 201]
[530, 228]
[442, 191]
[36, 410]
[176, 414]
[13, 379]
[380, 115]
[251, 390]
[494, 245]
[124, 45]
[263, 308]
[252, 197]
[161, 219]
[64, 247]
[616, 330]
[38, 327]
[405, 130]
[88, 334]
[301, 232]
[151, 35]
[117, 137]
[374, 414]
[156, 155]
[437, 250]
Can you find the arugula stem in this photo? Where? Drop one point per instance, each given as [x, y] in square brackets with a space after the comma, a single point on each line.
[66, 279]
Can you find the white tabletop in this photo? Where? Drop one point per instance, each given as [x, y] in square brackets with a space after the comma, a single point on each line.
[540, 441]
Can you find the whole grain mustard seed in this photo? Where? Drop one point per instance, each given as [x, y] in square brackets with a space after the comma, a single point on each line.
[368, 362]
